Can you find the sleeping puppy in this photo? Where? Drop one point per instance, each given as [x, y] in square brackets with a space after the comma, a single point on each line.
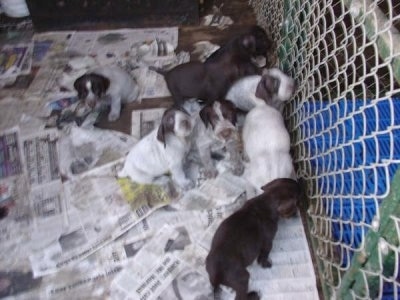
[210, 81]
[239, 93]
[216, 130]
[162, 151]
[266, 141]
[107, 85]
[248, 234]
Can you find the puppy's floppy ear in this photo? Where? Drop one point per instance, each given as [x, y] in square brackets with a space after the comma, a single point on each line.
[249, 43]
[161, 135]
[267, 87]
[287, 207]
[229, 111]
[205, 114]
[286, 191]
[167, 126]
[80, 86]
[263, 42]
[100, 84]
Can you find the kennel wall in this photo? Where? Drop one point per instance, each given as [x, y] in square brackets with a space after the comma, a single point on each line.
[345, 129]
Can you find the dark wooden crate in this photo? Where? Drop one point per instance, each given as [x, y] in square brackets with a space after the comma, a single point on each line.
[102, 14]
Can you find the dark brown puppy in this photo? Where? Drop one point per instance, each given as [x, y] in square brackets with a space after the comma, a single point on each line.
[210, 81]
[247, 235]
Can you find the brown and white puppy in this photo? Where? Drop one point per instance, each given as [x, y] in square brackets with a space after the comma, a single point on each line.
[210, 81]
[215, 130]
[242, 91]
[162, 151]
[248, 234]
[109, 85]
[266, 141]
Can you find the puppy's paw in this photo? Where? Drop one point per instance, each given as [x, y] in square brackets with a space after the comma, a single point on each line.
[253, 296]
[264, 262]
[112, 116]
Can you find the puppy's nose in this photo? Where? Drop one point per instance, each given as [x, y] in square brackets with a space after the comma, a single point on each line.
[91, 104]
[226, 133]
[186, 124]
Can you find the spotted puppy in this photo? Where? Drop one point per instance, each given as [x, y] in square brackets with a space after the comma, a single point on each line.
[248, 234]
[215, 130]
[110, 85]
[162, 151]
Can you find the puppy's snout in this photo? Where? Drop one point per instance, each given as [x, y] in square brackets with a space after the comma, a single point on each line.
[186, 124]
[91, 103]
[226, 133]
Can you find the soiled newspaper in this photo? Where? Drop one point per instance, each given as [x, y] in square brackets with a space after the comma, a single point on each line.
[62, 223]
[100, 209]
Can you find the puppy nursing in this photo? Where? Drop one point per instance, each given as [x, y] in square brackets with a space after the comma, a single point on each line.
[107, 84]
[248, 235]
[162, 151]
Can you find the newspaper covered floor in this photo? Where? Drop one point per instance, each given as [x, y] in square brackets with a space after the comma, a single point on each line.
[75, 231]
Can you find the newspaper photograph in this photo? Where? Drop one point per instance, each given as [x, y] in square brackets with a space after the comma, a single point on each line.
[15, 60]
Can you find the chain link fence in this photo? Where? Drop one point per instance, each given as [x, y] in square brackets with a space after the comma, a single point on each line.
[345, 129]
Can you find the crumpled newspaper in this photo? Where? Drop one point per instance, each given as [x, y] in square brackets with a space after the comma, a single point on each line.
[203, 49]
[217, 19]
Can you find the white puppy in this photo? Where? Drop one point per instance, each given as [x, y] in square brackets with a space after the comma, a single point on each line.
[266, 140]
[107, 84]
[162, 151]
[215, 131]
[241, 90]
